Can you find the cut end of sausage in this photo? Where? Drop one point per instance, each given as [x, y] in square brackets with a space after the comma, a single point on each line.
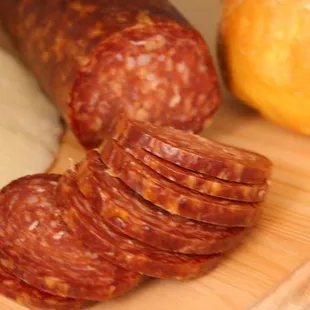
[160, 73]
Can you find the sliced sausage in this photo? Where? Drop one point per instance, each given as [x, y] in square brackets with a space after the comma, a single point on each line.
[38, 248]
[194, 152]
[31, 297]
[128, 213]
[125, 251]
[173, 197]
[198, 181]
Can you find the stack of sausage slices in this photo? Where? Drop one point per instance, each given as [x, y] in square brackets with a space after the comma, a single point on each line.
[151, 201]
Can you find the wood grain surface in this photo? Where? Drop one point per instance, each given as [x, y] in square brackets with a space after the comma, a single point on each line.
[273, 251]
[292, 293]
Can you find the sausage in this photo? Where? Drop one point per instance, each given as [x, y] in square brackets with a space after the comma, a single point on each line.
[28, 296]
[198, 181]
[194, 152]
[38, 248]
[120, 249]
[173, 197]
[98, 58]
[131, 215]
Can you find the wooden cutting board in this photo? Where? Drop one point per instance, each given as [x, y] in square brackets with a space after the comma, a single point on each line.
[279, 244]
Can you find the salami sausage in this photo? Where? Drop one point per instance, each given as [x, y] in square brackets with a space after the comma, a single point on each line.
[174, 198]
[194, 152]
[28, 296]
[198, 181]
[122, 250]
[128, 213]
[37, 247]
[97, 58]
